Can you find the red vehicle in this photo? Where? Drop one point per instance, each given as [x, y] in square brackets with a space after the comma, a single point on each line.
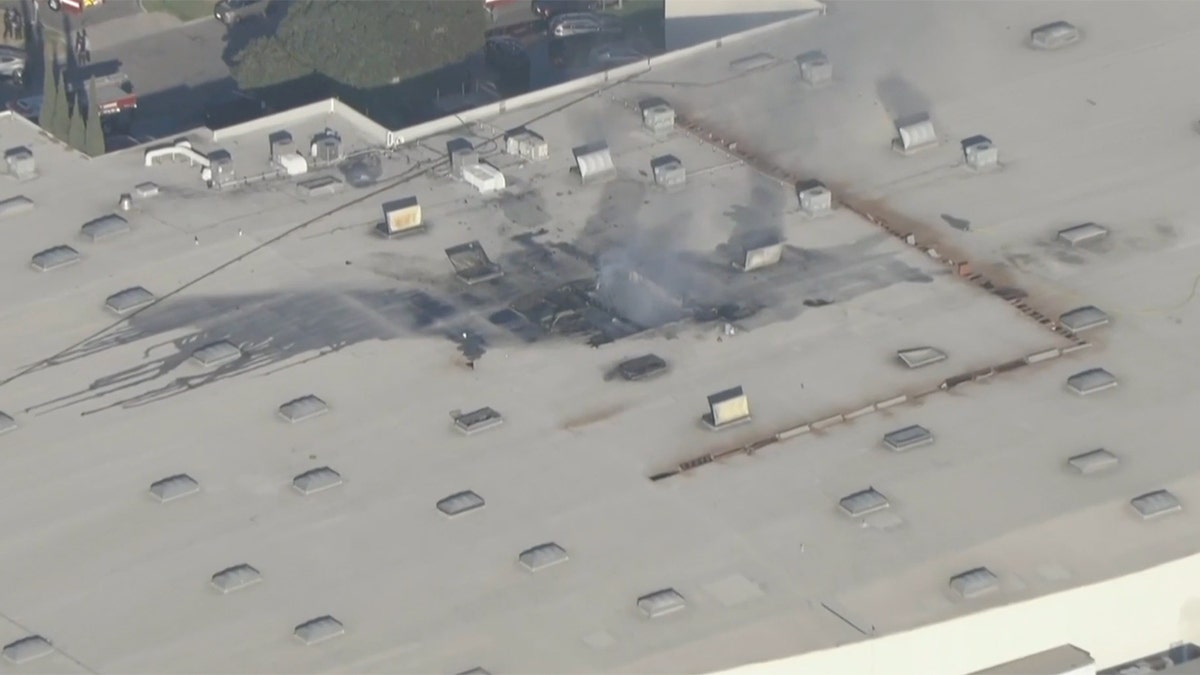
[114, 94]
[71, 6]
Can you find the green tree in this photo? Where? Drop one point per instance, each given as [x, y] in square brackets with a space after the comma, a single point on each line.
[77, 133]
[94, 141]
[362, 44]
[49, 89]
[60, 124]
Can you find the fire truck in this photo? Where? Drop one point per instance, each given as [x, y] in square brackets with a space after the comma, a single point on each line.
[114, 96]
[71, 6]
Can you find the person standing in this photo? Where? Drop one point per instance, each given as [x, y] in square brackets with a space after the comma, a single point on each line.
[87, 48]
[8, 23]
[18, 21]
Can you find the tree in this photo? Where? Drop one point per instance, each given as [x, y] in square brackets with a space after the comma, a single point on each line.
[49, 89]
[362, 44]
[60, 124]
[94, 141]
[77, 133]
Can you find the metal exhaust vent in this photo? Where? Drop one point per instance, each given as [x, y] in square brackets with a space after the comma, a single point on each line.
[129, 300]
[908, 438]
[726, 409]
[980, 153]
[401, 217]
[472, 264]
[125, 201]
[815, 198]
[174, 487]
[919, 357]
[1155, 504]
[594, 162]
[54, 258]
[319, 630]
[658, 117]
[462, 153]
[216, 353]
[235, 578]
[641, 368]
[14, 206]
[485, 178]
[303, 408]
[1091, 381]
[460, 503]
[20, 163]
[105, 227]
[661, 603]
[477, 420]
[759, 252]
[540, 557]
[220, 164]
[1054, 35]
[326, 147]
[526, 144]
[1083, 318]
[281, 143]
[863, 502]
[1082, 234]
[316, 480]
[27, 649]
[974, 583]
[7, 423]
[914, 134]
[1094, 461]
[815, 68]
[668, 172]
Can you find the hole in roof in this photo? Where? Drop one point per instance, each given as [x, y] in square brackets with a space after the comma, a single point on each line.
[661, 603]
[542, 556]
[918, 357]
[1093, 461]
[1083, 318]
[128, 300]
[460, 503]
[216, 353]
[105, 227]
[54, 258]
[908, 438]
[7, 423]
[174, 487]
[863, 502]
[1155, 504]
[303, 408]
[235, 578]
[27, 649]
[477, 420]
[319, 630]
[316, 480]
[1091, 381]
[974, 583]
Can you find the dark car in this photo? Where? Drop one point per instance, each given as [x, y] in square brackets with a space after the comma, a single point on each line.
[230, 12]
[548, 9]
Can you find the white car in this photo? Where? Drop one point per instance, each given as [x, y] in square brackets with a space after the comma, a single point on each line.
[569, 25]
[12, 64]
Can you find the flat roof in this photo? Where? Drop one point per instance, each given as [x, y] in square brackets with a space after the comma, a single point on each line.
[594, 274]
[1056, 661]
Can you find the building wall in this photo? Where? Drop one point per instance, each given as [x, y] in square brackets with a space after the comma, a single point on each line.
[1115, 621]
[690, 22]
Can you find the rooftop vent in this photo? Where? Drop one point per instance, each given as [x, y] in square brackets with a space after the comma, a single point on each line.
[641, 368]
[1094, 461]
[980, 153]
[316, 480]
[1155, 504]
[174, 487]
[145, 190]
[759, 253]
[462, 154]
[216, 353]
[319, 629]
[915, 134]
[235, 578]
[281, 143]
[594, 162]
[668, 172]
[460, 503]
[658, 117]
[974, 583]
[220, 165]
[293, 164]
[104, 227]
[54, 258]
[15, 205]
[484, 177]
[661, 603]
[125, 201]
[1082, 234]
[326, 147]
[863, 502]
[1083, 318]
[27, 649]
[815, 68]
[752, 62]
[1091, 381]
[526, 144]
[303, 408]
[1054, 35]
[401, 217]
[7, 423]
[540, 557]
[320, 185]
[919, 357]
[727, 408]
[20, 163]
[129, 300]
[471, 263]
[815, 198]
[908, 438]
[477, 420]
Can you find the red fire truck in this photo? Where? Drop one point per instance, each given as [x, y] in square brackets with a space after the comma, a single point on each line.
[71, 6]
[115, 97]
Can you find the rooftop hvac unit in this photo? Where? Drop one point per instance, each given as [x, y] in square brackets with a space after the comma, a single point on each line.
[483, 177]
[980, 153]
[658, 117]
[815, 198]
[20, 163]
[281, 144]
[293, 164]
[462, 154]
[915, 134]
[594, 162]
[526, 144]
[815, 68]
[668, 172]
[326, 147]
[221, 163]
[401, 217]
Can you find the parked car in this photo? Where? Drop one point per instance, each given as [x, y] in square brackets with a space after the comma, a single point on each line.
[548, 9]
[12, 64]
[230, 12]
[570, 25]
[611, 56]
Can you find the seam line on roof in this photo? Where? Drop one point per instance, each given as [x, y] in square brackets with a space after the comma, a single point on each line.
[28, 632]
